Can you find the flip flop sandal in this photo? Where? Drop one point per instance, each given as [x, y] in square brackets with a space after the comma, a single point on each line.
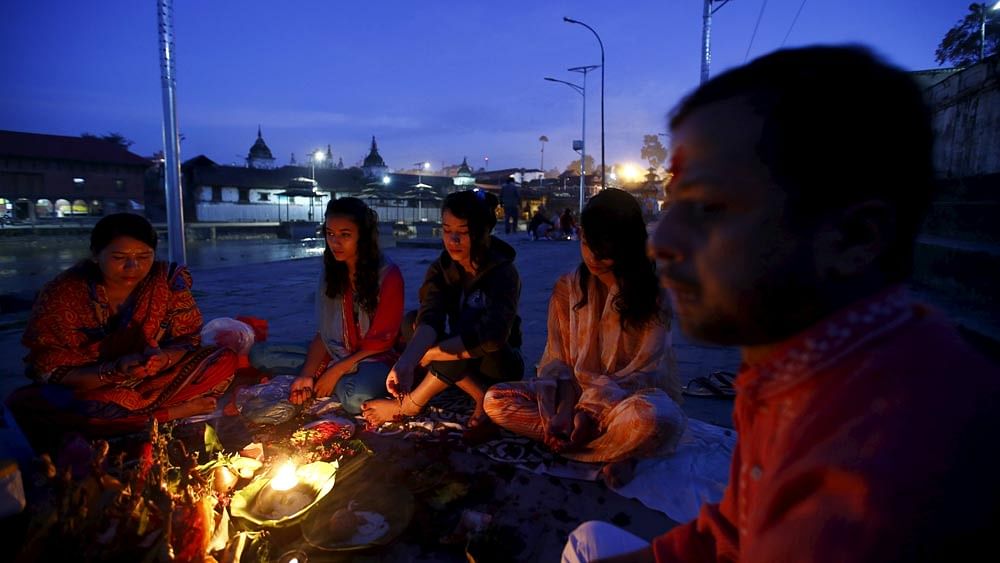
[726, 380]
[705, 387]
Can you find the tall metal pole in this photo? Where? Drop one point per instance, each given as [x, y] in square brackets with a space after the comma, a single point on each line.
[171, 140]
[706, 40]
[582, 90]
[583, 144]
[601, 44]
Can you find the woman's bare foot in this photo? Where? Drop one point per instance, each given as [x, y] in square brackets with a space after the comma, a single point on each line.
[201, 405]
[619, 473]
[585, 429]
[478, 416]
[378, 411]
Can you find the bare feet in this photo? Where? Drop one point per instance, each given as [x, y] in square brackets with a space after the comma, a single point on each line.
[480, 427]
[478, 416]
[378, 411]
[619, 473]
[585, 429]
[201, 405]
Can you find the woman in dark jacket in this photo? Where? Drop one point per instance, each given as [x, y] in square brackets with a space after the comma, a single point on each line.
[467, 331]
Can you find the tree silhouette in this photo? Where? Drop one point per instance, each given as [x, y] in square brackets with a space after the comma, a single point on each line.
[960, 45]
[543, 139]
[116, 138]
[588, 163]
[653, 151]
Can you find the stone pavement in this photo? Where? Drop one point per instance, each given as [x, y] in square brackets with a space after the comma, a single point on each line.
[540, 508]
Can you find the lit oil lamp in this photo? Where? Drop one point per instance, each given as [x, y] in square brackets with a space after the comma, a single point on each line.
[286, 495]
[283, 496]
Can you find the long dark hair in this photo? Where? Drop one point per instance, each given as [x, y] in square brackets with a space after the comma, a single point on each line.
[614, 228]
[479, 209]
[369, 257]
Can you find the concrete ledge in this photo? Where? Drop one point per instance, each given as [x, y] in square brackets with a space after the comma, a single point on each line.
[979, 325]
[419, 243]
[968, 270]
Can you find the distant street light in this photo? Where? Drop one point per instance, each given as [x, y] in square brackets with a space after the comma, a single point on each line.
[982, 28]
[385, 180]
[317, 156]
[582, 90]
[421, 166]
[601, 43]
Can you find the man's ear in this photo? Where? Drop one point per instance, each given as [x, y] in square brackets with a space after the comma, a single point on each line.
[853, 240]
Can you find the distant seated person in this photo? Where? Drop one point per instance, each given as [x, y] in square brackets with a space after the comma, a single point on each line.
[540, 226]
[115, 340]
[567, 224]
[606, 388]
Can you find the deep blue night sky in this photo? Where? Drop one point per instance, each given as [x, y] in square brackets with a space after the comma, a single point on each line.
[435, 80]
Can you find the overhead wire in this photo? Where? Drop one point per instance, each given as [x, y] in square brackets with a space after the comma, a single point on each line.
[795, 19]
[755, 27]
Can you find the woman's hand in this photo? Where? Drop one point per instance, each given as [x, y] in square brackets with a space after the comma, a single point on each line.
[326, 382]
[556, 434]
[302, 389]
[433, 354]
[134, 366]
[400, 379]
[157, 360]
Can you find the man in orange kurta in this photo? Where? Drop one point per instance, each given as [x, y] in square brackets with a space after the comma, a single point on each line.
[867, 427]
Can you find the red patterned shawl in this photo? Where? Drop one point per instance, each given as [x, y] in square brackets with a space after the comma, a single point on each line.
[71, 323]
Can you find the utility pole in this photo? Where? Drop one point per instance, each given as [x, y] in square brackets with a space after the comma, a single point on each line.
[706, 40]
[171, 140]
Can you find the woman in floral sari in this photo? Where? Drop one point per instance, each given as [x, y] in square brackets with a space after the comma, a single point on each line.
[606, 387]
[114, 341]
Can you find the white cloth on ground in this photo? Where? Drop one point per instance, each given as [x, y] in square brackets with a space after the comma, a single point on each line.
[597, 540]
[695, 474]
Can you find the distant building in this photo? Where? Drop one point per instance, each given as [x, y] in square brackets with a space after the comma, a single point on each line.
[374, 167]
[464, 179]
[220, 193]
[53, 176]
[260, 155]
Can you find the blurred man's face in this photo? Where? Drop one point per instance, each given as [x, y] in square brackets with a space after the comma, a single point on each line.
[735, 272]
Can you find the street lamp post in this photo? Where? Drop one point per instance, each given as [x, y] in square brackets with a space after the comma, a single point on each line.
[582, 90]
[421, 166]
[601, 43]
[317, 156]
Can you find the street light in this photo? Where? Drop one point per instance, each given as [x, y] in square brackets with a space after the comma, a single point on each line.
[421, 166]
[982, 28]
[317, 156]
[601, 43]
[582, 90]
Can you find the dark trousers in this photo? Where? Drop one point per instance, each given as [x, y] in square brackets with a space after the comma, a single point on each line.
[510, 219]
[506, 364]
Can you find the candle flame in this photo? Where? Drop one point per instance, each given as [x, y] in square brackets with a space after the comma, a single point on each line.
[285, 479]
